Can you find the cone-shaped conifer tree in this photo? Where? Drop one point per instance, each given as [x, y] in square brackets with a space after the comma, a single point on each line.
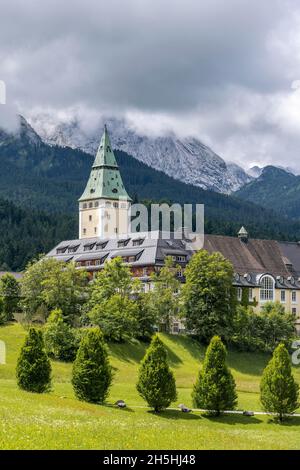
[92, 372]
[33, 366]
[278, 390]
[156, 383]
[215, 387]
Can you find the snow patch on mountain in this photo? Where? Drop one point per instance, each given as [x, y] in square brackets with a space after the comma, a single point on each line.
[185, 159]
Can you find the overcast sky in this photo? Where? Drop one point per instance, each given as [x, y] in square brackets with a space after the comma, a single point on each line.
[227, 72]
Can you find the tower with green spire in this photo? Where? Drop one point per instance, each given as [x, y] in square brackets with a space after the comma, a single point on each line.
[105, 204]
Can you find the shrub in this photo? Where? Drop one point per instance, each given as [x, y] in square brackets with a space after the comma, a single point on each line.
[156, 383]
[61, 340]
[215, 388]
[92, 373]
[278, 390]
[33, 366]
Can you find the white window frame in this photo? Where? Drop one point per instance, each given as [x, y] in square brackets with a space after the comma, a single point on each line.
[294, 297]
[239, 294]
[267, 289]
[283, 294]
[180, 272]
[251, 294]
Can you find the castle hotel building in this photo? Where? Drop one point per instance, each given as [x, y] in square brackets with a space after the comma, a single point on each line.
[265, 270]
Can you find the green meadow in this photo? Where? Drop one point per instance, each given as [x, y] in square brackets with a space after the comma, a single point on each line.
[59, 421]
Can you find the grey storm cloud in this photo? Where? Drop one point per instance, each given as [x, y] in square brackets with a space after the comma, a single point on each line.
[220, 70]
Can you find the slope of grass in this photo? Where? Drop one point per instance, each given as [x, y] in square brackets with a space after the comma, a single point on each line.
[58, 421]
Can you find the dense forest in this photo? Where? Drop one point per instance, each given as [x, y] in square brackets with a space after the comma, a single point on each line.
[25, 233]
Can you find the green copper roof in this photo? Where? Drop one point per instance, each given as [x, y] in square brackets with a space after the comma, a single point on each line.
[105, 155]
[105, 180]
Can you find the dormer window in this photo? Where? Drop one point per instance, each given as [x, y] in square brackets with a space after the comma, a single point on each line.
[61, 250]
[122, 243]
[73, 248]
[101, 245]
[88, 247]
[138, 242]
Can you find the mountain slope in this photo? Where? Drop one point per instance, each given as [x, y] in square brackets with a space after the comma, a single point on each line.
[276, 189]
[187, 160]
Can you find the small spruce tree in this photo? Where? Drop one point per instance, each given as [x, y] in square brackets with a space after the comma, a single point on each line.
[33, 366]
[92, 372]
[214, 389]
[278, 390]
[156, 383]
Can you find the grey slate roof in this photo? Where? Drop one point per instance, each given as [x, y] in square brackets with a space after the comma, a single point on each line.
[153, 249]
[251, 259]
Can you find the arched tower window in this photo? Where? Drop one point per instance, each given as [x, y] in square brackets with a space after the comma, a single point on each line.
[267, 286]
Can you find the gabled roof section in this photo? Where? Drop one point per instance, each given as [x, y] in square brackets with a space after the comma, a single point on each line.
[256, 256]
[105, 181]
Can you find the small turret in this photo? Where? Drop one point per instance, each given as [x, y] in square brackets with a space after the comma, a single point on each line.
[243, 235]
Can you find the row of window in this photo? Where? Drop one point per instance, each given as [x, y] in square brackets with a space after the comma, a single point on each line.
[267, 292]
[280, 279]
[180, 258]
[95, 204]
[98, 262]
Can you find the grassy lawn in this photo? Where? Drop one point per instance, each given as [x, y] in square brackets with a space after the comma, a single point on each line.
[58, 421]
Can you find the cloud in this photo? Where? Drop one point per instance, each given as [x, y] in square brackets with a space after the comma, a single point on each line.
[222, 71]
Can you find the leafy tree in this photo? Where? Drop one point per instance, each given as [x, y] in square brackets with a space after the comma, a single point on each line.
[156, 382]
[53, 284]
[117, 318]
[262, 331]
[208, 295]
[112, 306]
[165, 299]
[92, 373]
[146, 316]
[61, 340]
[247, 330]
[10, 292]
[278, 390]
[3, 317]
[33, 366]
[214, 389]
